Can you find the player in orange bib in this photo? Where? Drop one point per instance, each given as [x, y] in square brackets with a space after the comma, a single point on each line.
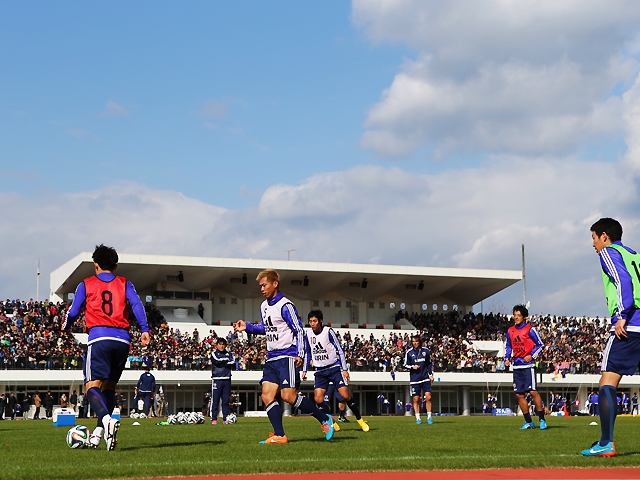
[524, 346]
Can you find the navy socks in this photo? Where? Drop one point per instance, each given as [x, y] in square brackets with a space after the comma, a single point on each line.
[608, 405]
[98, 404]
[274, 411]
[307, 406]
[354, 408]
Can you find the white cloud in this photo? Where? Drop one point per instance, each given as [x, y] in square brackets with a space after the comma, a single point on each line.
[514, 77]
[112, 109]
[475, 218]
[80, 133]
[214, 109]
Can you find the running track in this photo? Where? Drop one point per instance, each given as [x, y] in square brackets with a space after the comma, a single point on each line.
[520, 474]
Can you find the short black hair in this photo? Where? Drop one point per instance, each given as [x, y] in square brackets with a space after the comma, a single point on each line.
[522, 309]
[609, 226]
[222, 340]
[416, 336]
[105, 257]
[317, 314]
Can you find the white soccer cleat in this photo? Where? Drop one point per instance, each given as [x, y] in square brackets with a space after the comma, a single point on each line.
[111, 433]
[95, 437]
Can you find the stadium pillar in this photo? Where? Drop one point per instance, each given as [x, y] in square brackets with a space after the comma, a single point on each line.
[466, 400]
[362, 313]
[248, 308]
[409, 400]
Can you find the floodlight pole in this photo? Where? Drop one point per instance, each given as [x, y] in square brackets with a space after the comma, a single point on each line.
[524, 280]
[289, 253]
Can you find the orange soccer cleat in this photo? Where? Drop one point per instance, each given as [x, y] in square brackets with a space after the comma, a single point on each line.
[273, 439]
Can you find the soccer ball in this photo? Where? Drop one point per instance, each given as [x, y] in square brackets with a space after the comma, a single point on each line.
[78, 437]
[231, 418]
[200, 418]
[191, 418]
[181, 418]
[172, 419]
[135, 415]
[142, 415]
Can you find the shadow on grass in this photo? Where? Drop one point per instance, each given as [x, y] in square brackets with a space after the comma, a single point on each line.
[628, 454]
[173, 444]
[323, 440]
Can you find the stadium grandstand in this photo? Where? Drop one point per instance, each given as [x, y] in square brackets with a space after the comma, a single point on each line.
[375, 309]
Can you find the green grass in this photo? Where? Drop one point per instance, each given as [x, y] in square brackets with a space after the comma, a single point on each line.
[35, 449]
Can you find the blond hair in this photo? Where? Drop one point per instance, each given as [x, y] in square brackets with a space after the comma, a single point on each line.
[270, 274]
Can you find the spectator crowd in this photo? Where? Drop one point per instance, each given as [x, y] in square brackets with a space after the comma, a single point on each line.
[31, 338]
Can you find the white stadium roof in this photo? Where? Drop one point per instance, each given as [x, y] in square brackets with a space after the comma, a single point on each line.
[460, 286]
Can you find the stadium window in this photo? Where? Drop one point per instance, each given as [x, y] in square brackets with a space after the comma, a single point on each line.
[337, 304]
[403, 306]
[234, 301]
[347, 304]
[371, 305]
[392, 305]
[316, 303]
[381, 305]
[424, 306]
[455, 307]
[434, 306]
[445, 307]
[223, 300]
[327, 303]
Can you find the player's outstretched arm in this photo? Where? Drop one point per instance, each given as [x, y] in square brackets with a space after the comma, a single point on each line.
[240, 326]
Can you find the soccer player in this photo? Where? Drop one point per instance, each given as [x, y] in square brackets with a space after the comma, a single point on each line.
[324, 349]
[621, 277]
[418, 361]
[524, 346]
[634, 404]
[280, 322]
[105, 297]
[221, 363]
[146, 386]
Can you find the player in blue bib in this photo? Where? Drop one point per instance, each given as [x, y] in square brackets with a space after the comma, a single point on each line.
[283, 328]
[324, 349]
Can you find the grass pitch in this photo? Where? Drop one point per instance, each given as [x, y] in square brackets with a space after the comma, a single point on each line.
[35, 449]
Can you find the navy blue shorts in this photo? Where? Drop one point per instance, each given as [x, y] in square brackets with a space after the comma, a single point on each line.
[416, 388]
[282, 372]
[105, 360]
[324, 377]
[332, 392]
[524, 380]
[622, 356]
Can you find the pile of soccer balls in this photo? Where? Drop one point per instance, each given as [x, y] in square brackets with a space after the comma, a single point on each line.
[138, 415]
[183, 418]
[78, 437]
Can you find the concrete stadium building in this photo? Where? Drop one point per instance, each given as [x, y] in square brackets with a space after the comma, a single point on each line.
[362, 298]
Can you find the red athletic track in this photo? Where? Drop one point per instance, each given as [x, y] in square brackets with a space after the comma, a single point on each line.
[520, 474]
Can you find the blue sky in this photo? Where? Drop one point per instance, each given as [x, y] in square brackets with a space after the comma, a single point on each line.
[291, 82]
[399, 132]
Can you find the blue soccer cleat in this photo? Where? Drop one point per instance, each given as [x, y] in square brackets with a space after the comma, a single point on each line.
[418, 421]
[543, 425]
[597, 450]
[528, 426]
[327, 427]
[430, 421]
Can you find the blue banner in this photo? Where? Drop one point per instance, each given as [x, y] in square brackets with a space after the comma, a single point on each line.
[501, 412]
